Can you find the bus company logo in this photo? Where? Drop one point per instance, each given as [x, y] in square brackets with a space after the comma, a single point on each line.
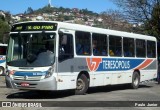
[93, 63]
[25, 77]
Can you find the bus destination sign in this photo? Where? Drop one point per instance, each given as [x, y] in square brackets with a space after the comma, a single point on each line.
[35, 27]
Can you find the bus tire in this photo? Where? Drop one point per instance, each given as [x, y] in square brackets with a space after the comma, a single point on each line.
[1, 71]
[82, 85]
[135, 80]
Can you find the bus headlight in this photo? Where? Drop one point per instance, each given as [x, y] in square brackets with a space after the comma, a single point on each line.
[49, 72]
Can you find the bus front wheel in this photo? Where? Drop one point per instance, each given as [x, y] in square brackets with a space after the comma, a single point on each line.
[135, 80]
[82, 85]
[1, 70]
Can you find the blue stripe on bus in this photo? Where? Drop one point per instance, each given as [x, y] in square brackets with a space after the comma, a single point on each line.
[2, 61]
[21, 73]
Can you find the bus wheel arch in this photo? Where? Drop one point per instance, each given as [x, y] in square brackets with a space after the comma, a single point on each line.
[135, 79]
[82, 83]
[1, 70]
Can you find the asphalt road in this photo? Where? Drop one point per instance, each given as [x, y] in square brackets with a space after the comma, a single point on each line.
[146, 92]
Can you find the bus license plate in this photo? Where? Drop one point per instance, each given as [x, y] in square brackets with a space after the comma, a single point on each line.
[25, 84]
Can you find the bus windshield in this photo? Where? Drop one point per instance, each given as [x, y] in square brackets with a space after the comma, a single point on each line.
[31, 49]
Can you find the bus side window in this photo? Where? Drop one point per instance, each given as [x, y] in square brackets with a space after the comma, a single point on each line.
[140, 48]
[83, 43]
[128, 47]
[151, 49]
[65, 47]
[99, 44]
[115, 46]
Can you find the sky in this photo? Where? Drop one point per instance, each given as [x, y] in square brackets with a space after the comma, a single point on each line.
[20, 6]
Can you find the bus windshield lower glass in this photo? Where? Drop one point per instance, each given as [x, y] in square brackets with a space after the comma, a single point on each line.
[31, 49]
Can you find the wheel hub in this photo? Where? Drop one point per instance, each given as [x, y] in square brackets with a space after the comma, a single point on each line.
[80, 84]
[136, 81]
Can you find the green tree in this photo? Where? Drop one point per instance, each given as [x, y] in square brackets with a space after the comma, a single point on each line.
[146, 12]
[29, 10]
[152, 26]
[68, 18]
[113, 19]
[60, 18]
[4, 28]
[45, 9]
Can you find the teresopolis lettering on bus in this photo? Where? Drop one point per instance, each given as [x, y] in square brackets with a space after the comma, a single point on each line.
[112, 64]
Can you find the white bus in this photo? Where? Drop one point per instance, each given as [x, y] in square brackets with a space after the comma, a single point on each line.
[3, 48]
[54, 55]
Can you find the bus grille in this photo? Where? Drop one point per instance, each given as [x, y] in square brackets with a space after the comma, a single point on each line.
[28, 78]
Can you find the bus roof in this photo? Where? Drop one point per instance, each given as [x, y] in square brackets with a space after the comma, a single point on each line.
[79, 27]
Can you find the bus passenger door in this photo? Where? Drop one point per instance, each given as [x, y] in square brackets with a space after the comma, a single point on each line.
[66, 77]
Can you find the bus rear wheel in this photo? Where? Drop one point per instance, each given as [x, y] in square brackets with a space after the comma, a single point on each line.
[82, 85]
[135, 80]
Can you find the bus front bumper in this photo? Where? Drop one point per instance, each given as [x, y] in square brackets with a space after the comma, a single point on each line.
[45, 84]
